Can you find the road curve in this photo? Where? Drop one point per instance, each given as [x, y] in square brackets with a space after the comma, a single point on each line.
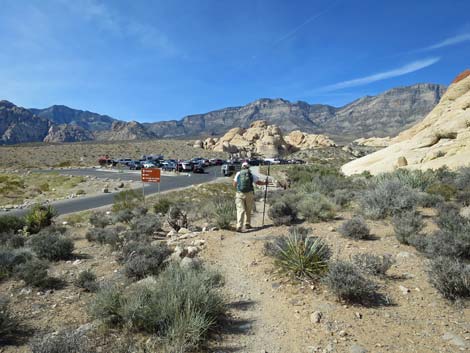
[90, 202]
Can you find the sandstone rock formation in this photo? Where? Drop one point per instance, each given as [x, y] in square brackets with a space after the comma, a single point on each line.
[442, 138]
[122, 131]
[373, 141]
[263, 140]
[67, 133]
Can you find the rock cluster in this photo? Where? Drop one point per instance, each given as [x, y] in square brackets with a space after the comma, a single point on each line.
[68, 133]
[441, 139]
[261, 139]
[374, 141]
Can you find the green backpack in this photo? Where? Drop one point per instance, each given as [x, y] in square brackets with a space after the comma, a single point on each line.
[245, 181]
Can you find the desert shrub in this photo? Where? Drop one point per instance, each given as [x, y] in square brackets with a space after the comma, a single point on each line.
[373, 264]
[355, 228]
[128, 199]
[450, 277]
[142, 260]
[177, 218]
[316, 208]
[414, 179]
[304, 174]
[10, 259]
[342, 197]
[407, 225]
[124, 215]
[429, 200]
[87, 280]
[52, 246]
[387, 197]
[324, 184]
[162, 206]
[300, 255]
[39, 217]
[12, 240]
[282, 213]
[11, 223]
[147, 224]
[99, 219]
[140, 211]
[348, 283]
[66, 341]
[108, 236]
[8, 323]
[223, 212]
[463, 197]
[449, 219]
[33, 272]
[181, 306]
[445, 243]
[462, 179]
[106, 305]
[446, 191]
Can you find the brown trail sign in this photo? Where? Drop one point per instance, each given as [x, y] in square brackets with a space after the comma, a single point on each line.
[150, 175]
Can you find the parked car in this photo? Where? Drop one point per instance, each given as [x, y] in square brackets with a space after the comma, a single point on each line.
[229, 169]
[216, 161]
[168, 166]
[198, 168]
[135, 165]
[149, 165]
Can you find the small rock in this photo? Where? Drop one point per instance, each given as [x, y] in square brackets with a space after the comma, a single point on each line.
[358, 315]
[77, 262]
[452, 338]
[316, 317]
[192, 251]
[342, 333]
[199, 242]
[331, 229]
[171, 233]
[404, 290]
[120, 185]
[355, 348]
[105, 190]
[64, 223]
[189, 263]
[204, 229]
[184, 231]
[213, 229]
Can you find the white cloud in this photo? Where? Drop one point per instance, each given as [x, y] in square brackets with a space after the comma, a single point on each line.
[406, 69]
[461, 38]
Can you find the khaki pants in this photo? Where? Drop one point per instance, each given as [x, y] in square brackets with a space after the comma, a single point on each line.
[244, 202]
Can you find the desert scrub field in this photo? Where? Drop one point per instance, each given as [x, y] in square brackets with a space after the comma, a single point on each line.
[31, 187]
[87, 154]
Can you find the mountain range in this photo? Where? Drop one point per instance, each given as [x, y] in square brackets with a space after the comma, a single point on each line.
[386, 114]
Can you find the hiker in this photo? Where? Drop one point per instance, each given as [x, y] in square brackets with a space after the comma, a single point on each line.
[245, 197]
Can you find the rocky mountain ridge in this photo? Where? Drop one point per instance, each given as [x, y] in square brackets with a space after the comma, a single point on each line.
[381, 115]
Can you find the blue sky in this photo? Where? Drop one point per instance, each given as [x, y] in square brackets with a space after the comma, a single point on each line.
[160, 60]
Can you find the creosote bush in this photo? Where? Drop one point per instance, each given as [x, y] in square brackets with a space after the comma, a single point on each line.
[86, 280]
[8, 323]
[108, 236]
[162, 206]
[282, 213]
[407, 225]
[147, 224]
[11, 223]
[355, 228]
[387, 198]
[12, 240]
[52, 246]
[348, 283]
[128, 199]
[300, 255]
[445, 191]
[99, 219]
[66, 341]
[34, 273]
[450, 277]
[373, 264]
[316, 208]
[107, 305]
[10, 259]
[177, 218]
[124, 215]
[142, 260]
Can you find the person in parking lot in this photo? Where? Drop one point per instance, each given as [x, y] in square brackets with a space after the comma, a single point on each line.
[245, 198]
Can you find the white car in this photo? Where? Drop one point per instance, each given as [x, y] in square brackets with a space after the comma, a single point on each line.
[148, 165]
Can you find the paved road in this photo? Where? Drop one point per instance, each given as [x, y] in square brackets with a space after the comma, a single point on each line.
[85, 203]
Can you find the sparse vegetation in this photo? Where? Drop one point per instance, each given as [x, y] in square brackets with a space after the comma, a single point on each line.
[107, 303]
[146, 225]
[355, 228]
[52, 246]
[8, 323]
[407, 225]
[450, 277]
[86, 280]
[99, 219]
[223, 212]
[316, 208]
[282, 213]
[128, 199]
[11, 223]
[373, 264]
[300, 255]
[162, 206]
[33, 272]
[348, 283]
[66, 341]
[445, 191]
[177, 218]
[142, 260]
[39, 217]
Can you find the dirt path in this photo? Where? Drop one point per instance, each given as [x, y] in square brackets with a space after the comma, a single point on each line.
[260, 321]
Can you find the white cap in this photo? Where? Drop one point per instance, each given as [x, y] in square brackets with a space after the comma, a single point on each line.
[245, 165]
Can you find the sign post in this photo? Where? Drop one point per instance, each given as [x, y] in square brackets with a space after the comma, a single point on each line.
[150, 175]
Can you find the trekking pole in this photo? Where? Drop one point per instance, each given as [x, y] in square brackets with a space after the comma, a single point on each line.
[266, 192]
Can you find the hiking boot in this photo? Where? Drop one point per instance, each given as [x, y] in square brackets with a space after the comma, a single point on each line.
[238, 230]
[247, 226]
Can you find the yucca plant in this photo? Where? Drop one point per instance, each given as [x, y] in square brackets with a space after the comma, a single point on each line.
[39, 217]
[301, 255]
